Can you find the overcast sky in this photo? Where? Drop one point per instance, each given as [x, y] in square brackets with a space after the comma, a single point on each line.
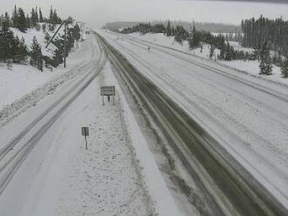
[97, 12]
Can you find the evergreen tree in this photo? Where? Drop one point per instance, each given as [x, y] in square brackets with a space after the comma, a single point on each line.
[40, 16]
[44, 26]
[168, 29]
[28, 21]
[229, 52]
[15, 17]
[57, 58]
[21, 23]
[212, 49]
[36, 55]
[5, 21]
[180, 34]
[33, 18]
[38, 27]
[284, 68]
[6, 44]
[70, 40]
[51, 27]
[265, 60]
[51, 16]
[76, 33]
[22, 50]
[194, 40]
[47, 37]
[36, 15]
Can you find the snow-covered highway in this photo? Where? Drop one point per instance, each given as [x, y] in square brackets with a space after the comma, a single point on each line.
[44, 167]
[245, 115]
[187, 136]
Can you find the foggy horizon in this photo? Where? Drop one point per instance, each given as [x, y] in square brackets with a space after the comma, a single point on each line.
[98, 13]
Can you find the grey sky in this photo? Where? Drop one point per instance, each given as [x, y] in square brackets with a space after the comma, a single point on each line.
[98, 12]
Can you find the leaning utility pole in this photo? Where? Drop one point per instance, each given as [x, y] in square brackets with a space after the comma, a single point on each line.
[65, 23]
[65, 43]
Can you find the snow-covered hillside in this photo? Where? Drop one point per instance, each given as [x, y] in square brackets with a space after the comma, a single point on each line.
[17, 80]
[40, 36]
[250, 67]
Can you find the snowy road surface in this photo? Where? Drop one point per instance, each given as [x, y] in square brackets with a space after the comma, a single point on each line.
[44, 167]
[247, 115]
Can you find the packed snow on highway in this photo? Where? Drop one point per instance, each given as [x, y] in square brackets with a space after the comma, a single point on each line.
[245, 113]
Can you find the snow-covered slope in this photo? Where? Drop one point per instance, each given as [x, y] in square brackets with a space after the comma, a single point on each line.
[251, 67]
[18, 80]
[40, 36]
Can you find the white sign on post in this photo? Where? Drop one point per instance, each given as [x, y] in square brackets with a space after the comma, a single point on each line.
[108, 91]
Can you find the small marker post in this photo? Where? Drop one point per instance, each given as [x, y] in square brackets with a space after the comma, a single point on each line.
[85, 133]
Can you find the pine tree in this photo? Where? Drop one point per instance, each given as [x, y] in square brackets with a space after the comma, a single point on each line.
[212, 49]
[265, 60]
[44, 26]
[36, 55]
[36, 15]
[6, 21]
[40, 16]
[47, 37]
[76, 33]
[28, 21]
[33, 18]
[7, 44]
[284, 68]
[15, 17]
[168, 29]
[51, 16]
[194, 40]
[22, 52]
[21, 24]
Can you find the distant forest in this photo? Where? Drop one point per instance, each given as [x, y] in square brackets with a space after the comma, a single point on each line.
[188, 26]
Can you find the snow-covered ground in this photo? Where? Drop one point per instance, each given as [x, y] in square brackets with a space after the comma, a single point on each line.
[117, 175]
[19, 80]
[251, 67]
[40, 36]
[237, 46]
[233, 107]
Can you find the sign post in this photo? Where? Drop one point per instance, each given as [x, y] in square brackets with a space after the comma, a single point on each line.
[85, 133]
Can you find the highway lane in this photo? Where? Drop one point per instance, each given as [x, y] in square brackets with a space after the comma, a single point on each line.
[220, 175]
[249, 122]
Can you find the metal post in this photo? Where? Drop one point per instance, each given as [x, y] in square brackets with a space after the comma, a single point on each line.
[65, 43]
[86, 143]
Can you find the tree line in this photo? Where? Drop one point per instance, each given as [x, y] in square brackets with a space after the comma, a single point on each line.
[195, 39]
[262, 35]
[23, 21]
[265, 34]
[15, 49]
